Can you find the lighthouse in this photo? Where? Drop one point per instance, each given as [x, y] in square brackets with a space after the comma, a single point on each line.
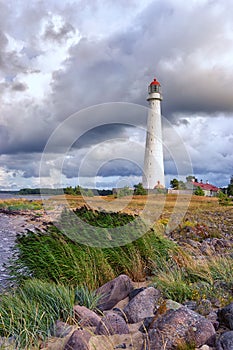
[153, 176]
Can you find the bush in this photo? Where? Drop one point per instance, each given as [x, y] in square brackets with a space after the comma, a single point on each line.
[139, 190]
[223, 199]
[199, 191]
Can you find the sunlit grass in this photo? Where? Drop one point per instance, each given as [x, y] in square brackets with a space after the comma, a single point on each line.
[20, 204]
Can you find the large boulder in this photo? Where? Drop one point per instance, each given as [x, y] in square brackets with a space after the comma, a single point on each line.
[225, 342]
[78, 341]
[114, 291]
[180, 326]
[86, 317]
[225, 316]
[111, 324]
[143, 305]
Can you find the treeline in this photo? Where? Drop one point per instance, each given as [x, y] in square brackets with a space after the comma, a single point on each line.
[38, 191]
[77, 190]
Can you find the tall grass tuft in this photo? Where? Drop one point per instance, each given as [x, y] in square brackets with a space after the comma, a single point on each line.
[191, 278]
[86, 297]
[29, 312]
[53, 256]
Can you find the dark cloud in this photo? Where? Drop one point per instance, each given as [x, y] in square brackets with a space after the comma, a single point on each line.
[51, 33]
[119, 167]
[17, 86]
[188, 46]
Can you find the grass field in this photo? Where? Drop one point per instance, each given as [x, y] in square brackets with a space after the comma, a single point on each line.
[174, 255]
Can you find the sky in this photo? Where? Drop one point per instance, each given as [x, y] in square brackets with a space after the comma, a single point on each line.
[73, 88]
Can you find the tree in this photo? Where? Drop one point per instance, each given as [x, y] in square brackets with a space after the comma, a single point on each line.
[69, 190]
[230, 187]
[125, 191]
[174, 184]
[199, 191]
[177, 185]
[139, 190]
[190, 178]
[77, 190]
[87, 192]
[181, 185]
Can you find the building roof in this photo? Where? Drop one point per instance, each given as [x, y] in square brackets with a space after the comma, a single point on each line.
[206, 186]
[155, 82]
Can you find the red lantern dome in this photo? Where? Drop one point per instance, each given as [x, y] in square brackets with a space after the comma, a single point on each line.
[155, 82]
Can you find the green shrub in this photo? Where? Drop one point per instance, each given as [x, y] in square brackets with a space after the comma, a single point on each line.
[199, 191]
[223, 199]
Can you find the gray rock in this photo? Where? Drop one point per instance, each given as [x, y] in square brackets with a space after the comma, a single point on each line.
[78, 341]
[225, 342]
[142, 305]
[111, 324]
[181, 325]
[135, 292]
[61, 329]
[146, 324]
[225, 316]
[204, 307]
[114, 291]
[212, 316]
[86, 317]
[172, 305]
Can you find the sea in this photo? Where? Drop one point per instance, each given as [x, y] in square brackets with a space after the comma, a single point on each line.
[32, 197]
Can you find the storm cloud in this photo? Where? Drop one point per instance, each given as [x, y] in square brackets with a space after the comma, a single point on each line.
[57, 58]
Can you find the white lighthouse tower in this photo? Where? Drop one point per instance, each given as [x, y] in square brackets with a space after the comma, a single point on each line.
[153, 176]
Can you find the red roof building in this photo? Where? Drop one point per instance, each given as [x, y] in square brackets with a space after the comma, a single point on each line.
[210, 190]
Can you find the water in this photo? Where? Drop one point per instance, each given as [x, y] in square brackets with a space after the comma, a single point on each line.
[32, 197]
[9, 227]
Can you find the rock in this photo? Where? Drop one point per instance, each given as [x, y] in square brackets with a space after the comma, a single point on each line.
[191, 304]
[142, 305]
[204, 307]
[114, 291]
[172, 305]
[61, 329]
[86, 317]
[135, 292]
[225, 342]
[78, 340]
[181, 325]
[212, 317]
[111, 324]
[119, 312]
[146, 324]
[225, 316]
[169, 305]
[204, 347]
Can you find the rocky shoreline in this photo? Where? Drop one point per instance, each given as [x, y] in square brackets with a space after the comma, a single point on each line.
[11, 224]
[128, 317]
[134, 316]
